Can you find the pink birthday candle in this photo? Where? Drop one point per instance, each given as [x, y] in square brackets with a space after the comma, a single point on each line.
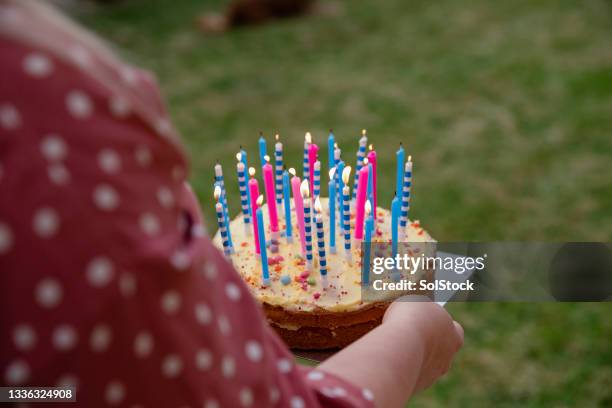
[298, 204]
[268, 176]
[254, 194]
[313, 151]
[362, 190]
[372, 161]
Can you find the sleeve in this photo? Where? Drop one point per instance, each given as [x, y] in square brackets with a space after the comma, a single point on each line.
[109, 281]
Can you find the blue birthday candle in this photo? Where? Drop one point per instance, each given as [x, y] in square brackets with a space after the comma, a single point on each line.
[339, 189]
[331, 142]
[263, 151]
[265, 273]
[361, 154]
[307, 142]
[242, 186]
[316, 183]
[399, 176]
[332, 210]
[243, 159]
[367, 243]
[370, 193]
[287, 200]
[395, 213]
[223, 199]
[407, 186]
[278, 170]
[320, 239]
[307, 222]
[221, 222]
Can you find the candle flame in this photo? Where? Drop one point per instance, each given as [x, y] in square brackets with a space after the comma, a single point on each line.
[368, 207]
[217, 193]
[292, 171]
[239, 156]
[332, 173]
[335, 146]
[259, 200]
[251, 171]
[409, 157]
[364, 132]
[267, 158]
[308, 137]
[304, 189]
[365, 161]
[346, 173]
[317, 205]
[276, 136]
[370, 148]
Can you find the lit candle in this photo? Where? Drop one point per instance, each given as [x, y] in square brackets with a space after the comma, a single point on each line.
[263, 150]
[221, 221]
[265, 273]
[298, 204]
[278, 167]
[395, 213]
[331, 142]
[362, 187]
[361, 153]
[223, 199]
[320, 238]
[339, 189]
[287, 202]
[313, 152]
[243, 158]
[316, 180]
[307, 222]
[399, 175]
[367, 243]
[307, 142]
[242, 186]
[268, 176]
[254, 194]
[346, 213]
[372, 162]
[406, 195]
[332, 211]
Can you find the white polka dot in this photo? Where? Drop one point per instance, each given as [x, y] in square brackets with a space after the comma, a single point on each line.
[79, 104]
[165, 197]
[328, 392]
[210, 270]
[128, 74]
[315, 375]
[224, 325]
[274, 395]
[109, 161]
[6, 238]
[67, 380]
[53, 148]
[172, 365]
[203, 313]
[106, 197]
[79, 55]
[199, 231]
[127, 284]
[100, 338]
[143, 344]
[100, 271]
[297, 402]
[17, 372]
[48, 293]
[171, 301]
[143, 155]
[119, 107]
[64, 337]
[228, 367]
[24, 337]
[37, 65]
[204, 360]
[149, 223]
[232, 291]
[367, 394]
[246, 397]
[163, 127]
[180, 260]
[253, 350]
[45, 222]
[339, 392]
[211, 403]
[58, 174]
[115, 392]
[10, 119]
[284, 365]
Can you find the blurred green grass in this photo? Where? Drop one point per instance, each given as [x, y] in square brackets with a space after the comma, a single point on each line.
[506, 108]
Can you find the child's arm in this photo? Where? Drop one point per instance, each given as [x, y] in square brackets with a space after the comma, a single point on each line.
[411, 349]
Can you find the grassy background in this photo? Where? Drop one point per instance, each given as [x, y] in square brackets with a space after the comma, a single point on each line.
[506, 108]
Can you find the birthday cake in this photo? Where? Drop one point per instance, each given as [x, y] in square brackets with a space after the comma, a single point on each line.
[303, 312]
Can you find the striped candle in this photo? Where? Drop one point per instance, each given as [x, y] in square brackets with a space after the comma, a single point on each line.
[406, 195]
[278, 167]
[316, 182]
[339, 188]
[244, 201]
[338, 175]
[367, 244]
[361, 153]
[332, 210]
[243, 159]
[307, 223]
[306, 172]
[223, 199]
[221, 221]
[320, 238]
[346, 213]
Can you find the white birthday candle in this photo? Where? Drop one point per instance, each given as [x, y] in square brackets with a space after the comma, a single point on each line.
[361, 153]
[307, 142]
[406, 195]
[320, 238]
[242, 186]
[307, 222]
[316, 184]
[221, 222]
[278, 169]
[223, 200]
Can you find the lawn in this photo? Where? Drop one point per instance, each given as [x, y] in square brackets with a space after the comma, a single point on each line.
[506, 108]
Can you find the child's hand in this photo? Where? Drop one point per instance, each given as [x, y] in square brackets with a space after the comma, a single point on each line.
[441, 336]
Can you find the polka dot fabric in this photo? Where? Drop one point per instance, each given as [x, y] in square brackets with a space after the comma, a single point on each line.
[108, 280]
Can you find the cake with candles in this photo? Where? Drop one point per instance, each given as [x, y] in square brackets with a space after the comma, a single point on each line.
[305, 253]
